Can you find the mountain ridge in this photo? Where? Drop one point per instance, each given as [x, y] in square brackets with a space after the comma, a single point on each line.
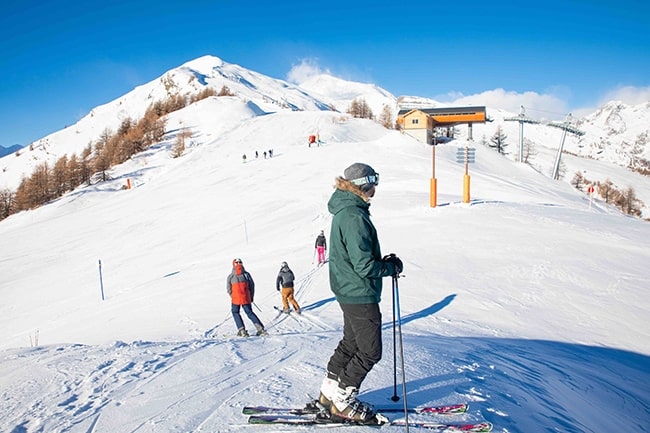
[9, 150]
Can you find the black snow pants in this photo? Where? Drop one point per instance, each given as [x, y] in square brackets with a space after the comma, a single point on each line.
[360, 349]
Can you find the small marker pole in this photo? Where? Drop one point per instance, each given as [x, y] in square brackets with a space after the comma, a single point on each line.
[101, 282]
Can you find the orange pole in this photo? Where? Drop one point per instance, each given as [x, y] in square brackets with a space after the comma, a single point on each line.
[434, 192]
[433, 187]
[466, 188]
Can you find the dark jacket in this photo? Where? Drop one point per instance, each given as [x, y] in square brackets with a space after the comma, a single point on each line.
[285, 278]
[355, 264]
[320, 241]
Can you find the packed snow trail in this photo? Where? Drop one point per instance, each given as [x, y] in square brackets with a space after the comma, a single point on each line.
[202, 385]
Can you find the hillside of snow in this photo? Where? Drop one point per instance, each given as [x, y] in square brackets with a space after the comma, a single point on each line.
[610, 164]
[269, 94]
[617, 132]
[340, 93]
[529, 303]
[616, 136]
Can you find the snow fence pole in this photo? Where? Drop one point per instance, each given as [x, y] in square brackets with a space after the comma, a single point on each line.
[101, 282]
[401, 347]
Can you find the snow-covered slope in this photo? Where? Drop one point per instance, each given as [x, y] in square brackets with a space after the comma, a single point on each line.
[269, 94]
[608, 163]
[340, 93]
[615, 136]
[617, 133]
[526, 302]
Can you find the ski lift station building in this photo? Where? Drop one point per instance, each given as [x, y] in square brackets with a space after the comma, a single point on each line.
[420, 123]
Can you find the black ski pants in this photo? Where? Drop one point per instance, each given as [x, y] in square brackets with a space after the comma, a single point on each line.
[360, 349]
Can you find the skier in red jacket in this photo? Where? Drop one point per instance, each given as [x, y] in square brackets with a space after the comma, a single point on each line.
[241, 288]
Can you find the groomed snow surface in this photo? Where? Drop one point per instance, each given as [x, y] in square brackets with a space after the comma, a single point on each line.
[529, 302]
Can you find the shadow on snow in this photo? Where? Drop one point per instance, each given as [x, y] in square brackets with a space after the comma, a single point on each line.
[529, 385]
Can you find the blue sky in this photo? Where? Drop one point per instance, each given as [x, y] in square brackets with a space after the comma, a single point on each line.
[59, 59]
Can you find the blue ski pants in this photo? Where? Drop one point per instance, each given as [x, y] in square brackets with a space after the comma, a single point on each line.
[248, 309]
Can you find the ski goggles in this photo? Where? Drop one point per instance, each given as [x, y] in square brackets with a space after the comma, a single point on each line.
[373, 179]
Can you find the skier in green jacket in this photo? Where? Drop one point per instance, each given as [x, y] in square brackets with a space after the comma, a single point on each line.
[356, 268]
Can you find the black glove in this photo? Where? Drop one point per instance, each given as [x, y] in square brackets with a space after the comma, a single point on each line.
[395, 261]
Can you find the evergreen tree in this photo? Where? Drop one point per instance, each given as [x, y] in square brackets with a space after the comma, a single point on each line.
[498, 141]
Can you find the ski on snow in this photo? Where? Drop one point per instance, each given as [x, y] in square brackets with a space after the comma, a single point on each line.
[311, 415]
[311, 409]
[283, 311]
[481, 427]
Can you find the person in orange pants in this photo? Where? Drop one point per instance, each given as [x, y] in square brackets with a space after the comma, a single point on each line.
[284, 284]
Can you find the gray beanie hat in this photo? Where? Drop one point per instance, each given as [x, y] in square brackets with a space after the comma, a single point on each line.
[362, 175]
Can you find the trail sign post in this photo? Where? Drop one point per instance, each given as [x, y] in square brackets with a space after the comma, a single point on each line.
[466, 155]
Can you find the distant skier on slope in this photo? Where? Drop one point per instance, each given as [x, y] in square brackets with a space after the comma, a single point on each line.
[356, 268]
[321, 247]
[241, 288]
[284, 284]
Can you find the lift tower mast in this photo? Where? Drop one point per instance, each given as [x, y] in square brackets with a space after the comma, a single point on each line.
[522, 118]
[565, 127]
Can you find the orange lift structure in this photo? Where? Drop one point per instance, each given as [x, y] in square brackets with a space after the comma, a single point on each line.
[421, 123]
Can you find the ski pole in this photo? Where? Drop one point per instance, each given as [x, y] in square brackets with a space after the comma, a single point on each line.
[401, 346]
[395, 397]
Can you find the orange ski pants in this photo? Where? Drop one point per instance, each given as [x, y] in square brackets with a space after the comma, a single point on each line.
[287, 297]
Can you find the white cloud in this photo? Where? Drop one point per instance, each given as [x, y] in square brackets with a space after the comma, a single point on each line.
[544, 105]
[303, 71]
[551, 105]
[630, 95]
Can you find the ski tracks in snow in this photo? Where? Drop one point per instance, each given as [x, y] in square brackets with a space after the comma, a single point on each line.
[84, 380]
[306, 321]
[138, 387]
[160, 386]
